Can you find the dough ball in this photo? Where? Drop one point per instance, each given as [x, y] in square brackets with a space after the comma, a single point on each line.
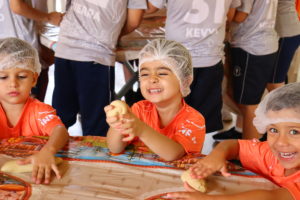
[13, 167]
[197, 184]
[120, 108]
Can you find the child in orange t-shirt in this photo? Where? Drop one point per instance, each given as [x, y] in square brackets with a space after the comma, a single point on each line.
[298, 7]
[163, 122]
[21, 115]
[277, 159]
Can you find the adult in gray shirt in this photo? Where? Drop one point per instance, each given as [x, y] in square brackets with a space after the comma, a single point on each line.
[85, 56]
[288, 28]
[254, 46]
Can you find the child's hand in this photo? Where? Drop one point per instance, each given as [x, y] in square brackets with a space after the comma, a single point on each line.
[119, 123]
[188, 195]
[55, 18]
[43, 163]
[131, 126]
[209, 165]
[114, 121]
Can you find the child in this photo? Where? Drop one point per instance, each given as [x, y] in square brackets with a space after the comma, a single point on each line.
[163, 122]
[85, 56]
[21, 115]
[298, 7]
[200, 26]
[277, 159]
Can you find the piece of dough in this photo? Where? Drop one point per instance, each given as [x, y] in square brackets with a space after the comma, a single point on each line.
[197, 184]
[13, 167]
[120, 108]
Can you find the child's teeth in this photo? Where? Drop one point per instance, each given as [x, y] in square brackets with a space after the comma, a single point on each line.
[287, 155]
[155, 90]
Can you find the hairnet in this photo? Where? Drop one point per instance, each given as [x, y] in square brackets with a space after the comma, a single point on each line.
[16, 53]
[175, 56]
[286, 97]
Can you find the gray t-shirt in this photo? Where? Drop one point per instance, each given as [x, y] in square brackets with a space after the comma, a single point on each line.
[13, 25]
[199, 25]
[287, 21]
[256, 34]
[90, 29]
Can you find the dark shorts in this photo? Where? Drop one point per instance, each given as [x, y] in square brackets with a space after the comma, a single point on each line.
[85, 88]
[206, 95]
[285, 54]
[250, 75]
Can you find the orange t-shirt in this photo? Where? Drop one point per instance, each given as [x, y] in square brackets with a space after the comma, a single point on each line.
[187, 128]
[298, 7]
[258, 157]
[37, 118]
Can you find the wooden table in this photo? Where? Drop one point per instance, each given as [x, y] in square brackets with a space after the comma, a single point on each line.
[92, 172]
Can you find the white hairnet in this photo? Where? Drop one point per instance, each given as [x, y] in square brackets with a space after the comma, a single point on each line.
[286, 97]
[16, 53]
[175, 56]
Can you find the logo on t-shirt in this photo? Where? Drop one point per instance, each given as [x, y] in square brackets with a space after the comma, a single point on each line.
[87, 12]
[45, 120]
[186, 131]
[199, 12]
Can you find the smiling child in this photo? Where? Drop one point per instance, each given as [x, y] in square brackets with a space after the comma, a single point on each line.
[163, 122]
[277, 159]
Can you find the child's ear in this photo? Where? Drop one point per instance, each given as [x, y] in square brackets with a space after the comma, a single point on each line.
[35, 78]
[190, 80]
